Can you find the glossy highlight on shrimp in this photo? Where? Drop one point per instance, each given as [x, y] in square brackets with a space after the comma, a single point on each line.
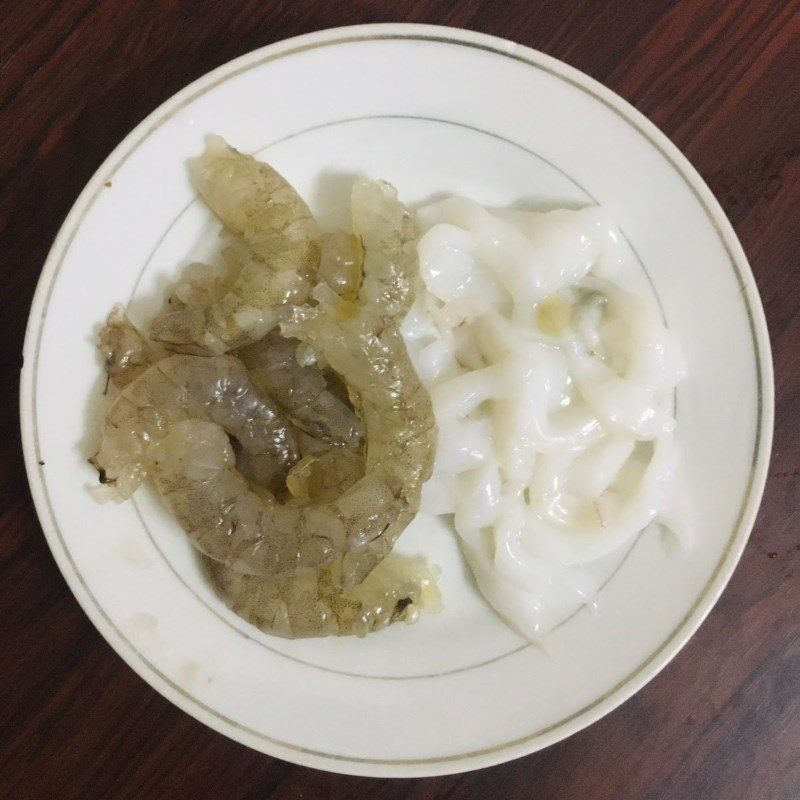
[259, 207]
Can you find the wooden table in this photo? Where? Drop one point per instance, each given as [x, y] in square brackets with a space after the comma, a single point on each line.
[722, 79]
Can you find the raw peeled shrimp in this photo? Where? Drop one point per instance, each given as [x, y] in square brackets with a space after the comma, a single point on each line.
[362, 342]
[183, 387]
[258, 205]
[299, 569]
[172, 423]
[301, 391]
[314, 603]
[194, 469]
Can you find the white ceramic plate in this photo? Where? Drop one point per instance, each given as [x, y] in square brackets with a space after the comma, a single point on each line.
[432, 110]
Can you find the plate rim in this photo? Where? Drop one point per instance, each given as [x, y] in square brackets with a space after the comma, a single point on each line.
[661, 656]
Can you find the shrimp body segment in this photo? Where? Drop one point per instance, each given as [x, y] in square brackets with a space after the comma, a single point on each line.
[179, 387]
[259, 207]
[301, 391]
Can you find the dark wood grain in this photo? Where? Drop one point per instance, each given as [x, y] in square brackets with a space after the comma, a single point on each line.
[722, 79]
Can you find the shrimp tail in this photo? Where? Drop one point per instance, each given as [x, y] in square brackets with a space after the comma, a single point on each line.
[315, 604]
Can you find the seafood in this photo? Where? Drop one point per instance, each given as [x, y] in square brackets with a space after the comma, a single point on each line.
[340, 263]
[185, 387]
[260, 207]
[314, 604]
[552, 382]
[194, 468]
[362, 342]
[126, 353]
[291, 498]
[301, 391]
[363, 522]
[172, 423]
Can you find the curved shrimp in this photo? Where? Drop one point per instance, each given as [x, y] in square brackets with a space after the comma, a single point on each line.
[172, 423]
[362, 342]
[301, 391]
[258, 205]
[182, 387]
[127, 354]
[193, 466]
[315, 604]
[295, 568]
